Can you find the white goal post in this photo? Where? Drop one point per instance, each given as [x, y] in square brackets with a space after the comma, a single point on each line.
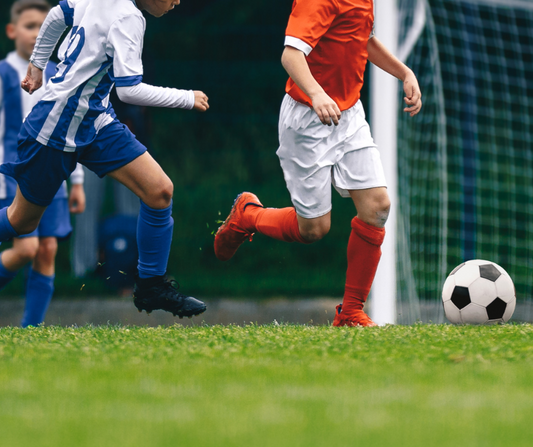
[384, 120]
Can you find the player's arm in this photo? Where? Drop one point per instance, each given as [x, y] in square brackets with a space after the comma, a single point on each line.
[76, 199]
[50, 33]
[125, 42]
[384, 59]
[295, 63]
[148, 95]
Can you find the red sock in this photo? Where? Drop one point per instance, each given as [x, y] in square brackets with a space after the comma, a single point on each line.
[278, 223]
[364, 252]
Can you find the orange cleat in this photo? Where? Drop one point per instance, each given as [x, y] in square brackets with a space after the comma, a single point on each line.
[357, 318]
[232, 233]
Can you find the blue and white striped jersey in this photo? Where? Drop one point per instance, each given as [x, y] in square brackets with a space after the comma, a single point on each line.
[103, 49]
[15, 104]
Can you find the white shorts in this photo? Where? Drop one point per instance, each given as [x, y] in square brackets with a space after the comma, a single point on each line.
[314, 156]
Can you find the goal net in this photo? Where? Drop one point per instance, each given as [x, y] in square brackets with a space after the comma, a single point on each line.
[465, 163]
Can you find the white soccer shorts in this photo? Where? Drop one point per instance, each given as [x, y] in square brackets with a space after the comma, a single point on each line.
[314, 156]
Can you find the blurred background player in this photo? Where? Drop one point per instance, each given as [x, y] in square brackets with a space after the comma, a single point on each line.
[40, 246]
[327, 45]
[75, 122]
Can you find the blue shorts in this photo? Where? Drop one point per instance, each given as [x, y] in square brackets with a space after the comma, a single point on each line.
[40, 170]
[54, 223]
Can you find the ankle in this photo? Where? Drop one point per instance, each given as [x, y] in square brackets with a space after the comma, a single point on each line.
[146, 283]
[352, 305]
[250, 215]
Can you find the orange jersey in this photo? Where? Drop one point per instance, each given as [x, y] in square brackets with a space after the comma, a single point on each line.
[334, 35]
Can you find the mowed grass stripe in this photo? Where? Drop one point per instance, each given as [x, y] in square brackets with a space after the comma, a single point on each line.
[288, 385]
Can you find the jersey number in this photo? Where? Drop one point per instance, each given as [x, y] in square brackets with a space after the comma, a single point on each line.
[75, 44]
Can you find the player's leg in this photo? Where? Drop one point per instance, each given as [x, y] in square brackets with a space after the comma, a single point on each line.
[247, 216]
[117, 153]
[306, 153]
[20, 218]
[144, 177]
[16, 257]
[55, 224]
[40, 284]
[39, 172]
[364, 253]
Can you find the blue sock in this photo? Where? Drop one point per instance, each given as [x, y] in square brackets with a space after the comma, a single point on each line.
[6, 230]
[5, 275]
[154, 235]
[39, 291]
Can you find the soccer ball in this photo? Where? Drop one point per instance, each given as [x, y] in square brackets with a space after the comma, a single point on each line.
[478, 292]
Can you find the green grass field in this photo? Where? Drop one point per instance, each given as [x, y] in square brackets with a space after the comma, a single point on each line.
[422, 385]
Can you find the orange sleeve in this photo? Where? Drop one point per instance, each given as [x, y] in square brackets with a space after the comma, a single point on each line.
[310, 19]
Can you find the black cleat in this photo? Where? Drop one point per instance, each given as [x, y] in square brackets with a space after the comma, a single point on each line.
[160, 293]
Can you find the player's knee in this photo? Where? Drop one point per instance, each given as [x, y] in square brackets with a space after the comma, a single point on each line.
[382, 212]
[47, 250]
[377, 211]
[27, 250]
[315, 233]
[161, 196]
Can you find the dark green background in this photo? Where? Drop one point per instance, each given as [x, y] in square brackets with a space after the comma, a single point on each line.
[231, 50]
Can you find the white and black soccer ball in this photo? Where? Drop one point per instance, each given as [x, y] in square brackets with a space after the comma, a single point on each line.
[478, 292]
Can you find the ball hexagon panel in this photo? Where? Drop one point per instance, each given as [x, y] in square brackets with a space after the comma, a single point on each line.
[482, 291]
[489, 271]
[477, 262]
[505, 288]
[452, 313]
[460, 297]
[448, 287]
[466, 275]
[496, 309]
[474, 314]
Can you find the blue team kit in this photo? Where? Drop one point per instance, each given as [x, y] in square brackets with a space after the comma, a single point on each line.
[75, 121]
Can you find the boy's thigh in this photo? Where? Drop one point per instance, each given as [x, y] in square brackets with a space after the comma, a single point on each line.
[114, 147]
[307, 151]
[358, 169]
[40, 170]
[306, 167]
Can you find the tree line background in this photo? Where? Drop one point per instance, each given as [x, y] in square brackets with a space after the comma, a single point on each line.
[231, 50]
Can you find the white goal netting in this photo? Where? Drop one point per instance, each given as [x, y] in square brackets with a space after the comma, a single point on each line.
[466, 162]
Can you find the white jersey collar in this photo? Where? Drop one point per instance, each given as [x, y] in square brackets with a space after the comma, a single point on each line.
[17, 62]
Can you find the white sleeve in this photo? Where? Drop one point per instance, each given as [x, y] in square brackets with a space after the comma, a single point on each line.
[51, 31]
[78, 175]
[125, 45]
[148, 95]
[299, 44]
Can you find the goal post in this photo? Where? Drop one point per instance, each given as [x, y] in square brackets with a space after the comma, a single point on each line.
[383, 119]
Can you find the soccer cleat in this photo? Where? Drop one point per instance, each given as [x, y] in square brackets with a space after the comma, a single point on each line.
[357, 318]
[161, 293]
[232, 233]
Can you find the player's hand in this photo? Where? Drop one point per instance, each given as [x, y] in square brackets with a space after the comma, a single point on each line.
[33, 80]
[327, 110]
[76, 200]
[413, 95]
[200, 101]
